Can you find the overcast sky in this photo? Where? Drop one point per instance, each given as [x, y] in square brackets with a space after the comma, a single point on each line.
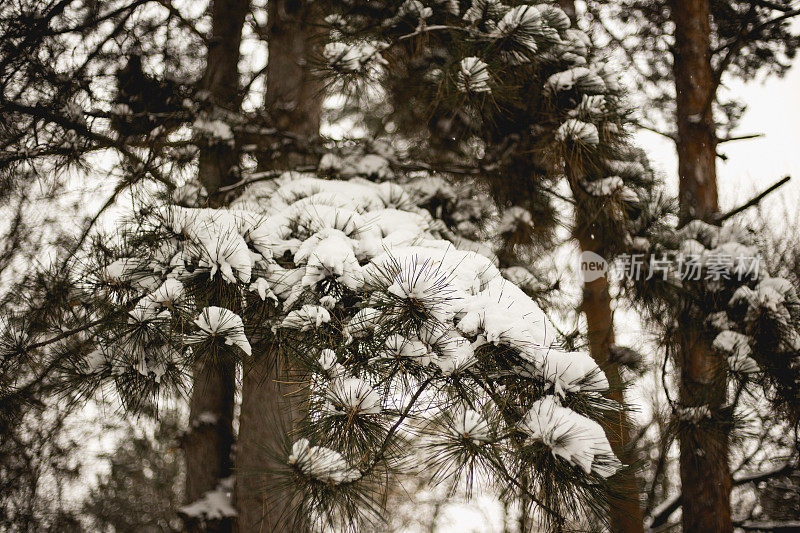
[773, 108]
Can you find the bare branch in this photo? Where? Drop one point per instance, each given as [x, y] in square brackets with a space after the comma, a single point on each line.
[669, 135]
[733, 47]
[102, 140]
[664, 511]
[770, 525]
[740, 138]
[753, 201]
[186, 23]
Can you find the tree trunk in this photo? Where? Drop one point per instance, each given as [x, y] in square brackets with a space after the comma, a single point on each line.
[270, 406]
[705, 473]
[625, 510]
[294, 94]
[270, 403]
[697, 139]
[208, 445]
[218, 163]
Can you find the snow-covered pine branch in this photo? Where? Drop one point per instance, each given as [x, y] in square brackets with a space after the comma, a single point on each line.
[391, 319]
[717, 277]
[512, 87]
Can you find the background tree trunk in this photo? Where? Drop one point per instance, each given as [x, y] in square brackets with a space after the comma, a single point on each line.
[705, 473]
[270, 402]
[625, 513]
[208, 445]
[293, 101]
[694, 87]
[625, 509]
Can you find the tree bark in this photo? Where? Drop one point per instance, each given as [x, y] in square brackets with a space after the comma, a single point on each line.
[705, 473]
[270, 406]
[270, 401]
[293, 101]
[625, 509]
[208, 446]
[694, 86]
[218, 163]
[625, 512]
[209, 442]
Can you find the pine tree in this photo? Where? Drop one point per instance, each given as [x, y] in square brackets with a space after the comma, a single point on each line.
[358, 283]
[705, 472]
[747, 40]
[625, 514]
[709, 42]
[74, 92]
[507, 38]
[520, 120]
[710, 277]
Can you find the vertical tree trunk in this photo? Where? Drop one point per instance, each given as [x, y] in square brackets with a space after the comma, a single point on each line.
[697, 139]
[294, 94]
[270, 405]
[208, 446]
[705, 473]
[625, 513]
[270, 401]
[218, 163]
[625, 509]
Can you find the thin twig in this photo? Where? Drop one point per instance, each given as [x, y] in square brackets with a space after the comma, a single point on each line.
[429, 29]
[735, 46]
[755, 200]
[390, 434]
[739, 138]
[671, 136]
[186, 23]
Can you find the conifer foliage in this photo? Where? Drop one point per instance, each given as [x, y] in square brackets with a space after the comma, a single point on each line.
[387, 319]
[716, 278]
[509, 88]
[393, 285]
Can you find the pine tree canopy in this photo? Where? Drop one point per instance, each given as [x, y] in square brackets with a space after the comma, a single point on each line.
[388, 318]
[749, 39]
[717, 278]
[511, 89]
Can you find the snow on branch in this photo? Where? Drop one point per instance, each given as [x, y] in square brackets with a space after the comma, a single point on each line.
[215, 504]
[372, 298]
